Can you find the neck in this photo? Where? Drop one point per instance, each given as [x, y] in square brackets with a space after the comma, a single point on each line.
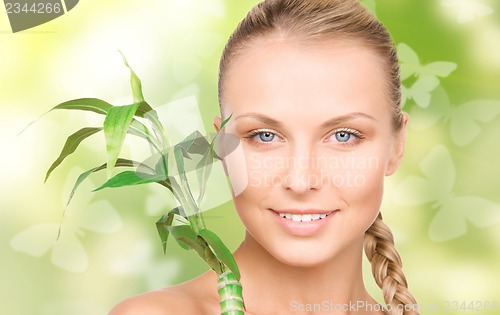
[272, 285]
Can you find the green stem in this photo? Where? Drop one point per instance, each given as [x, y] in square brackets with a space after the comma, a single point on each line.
[189, 206]
[230, 293]
[160, 132]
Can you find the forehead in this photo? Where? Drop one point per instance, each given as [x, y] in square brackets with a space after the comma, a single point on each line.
[275, 75]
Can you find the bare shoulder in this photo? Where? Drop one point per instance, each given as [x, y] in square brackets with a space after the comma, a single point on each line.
[151, 303]
[197, 296]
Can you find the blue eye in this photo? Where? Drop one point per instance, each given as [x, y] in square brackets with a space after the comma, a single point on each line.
[347, 136]
[343, 136]
[263, 136]
[266, 136]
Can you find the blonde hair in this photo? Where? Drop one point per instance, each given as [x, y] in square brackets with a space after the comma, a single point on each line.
[317, 21]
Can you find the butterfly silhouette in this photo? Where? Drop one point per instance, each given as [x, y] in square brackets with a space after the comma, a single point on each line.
[463, 119]
[427, 75]
[467, 10]
[67, 250]
[436, 188]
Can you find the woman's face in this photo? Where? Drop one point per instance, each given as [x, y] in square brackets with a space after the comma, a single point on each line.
[316, 142]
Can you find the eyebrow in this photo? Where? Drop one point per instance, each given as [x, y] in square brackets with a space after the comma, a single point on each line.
[262, 118]
[331, 122]
[351, 116]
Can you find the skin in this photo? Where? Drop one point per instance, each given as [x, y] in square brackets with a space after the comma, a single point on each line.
[316, 103]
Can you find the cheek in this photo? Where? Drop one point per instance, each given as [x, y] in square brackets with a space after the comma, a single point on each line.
[358, 179]
[249, 173]
[353, 171]
[265, 169]
[262, 176]
[367, 197]
[250, 170]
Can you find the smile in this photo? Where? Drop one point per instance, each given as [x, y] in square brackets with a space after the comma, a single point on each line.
[304, 217]
[304, 222]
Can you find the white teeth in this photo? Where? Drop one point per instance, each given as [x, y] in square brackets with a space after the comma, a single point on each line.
[303, 217]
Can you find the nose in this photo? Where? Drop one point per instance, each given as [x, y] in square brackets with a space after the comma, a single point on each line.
[303, 172]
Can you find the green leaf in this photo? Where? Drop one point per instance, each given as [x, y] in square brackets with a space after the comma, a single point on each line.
[184, 193]
[203, 169]
[137, 128]
[154, 165]
[129, 178]
[73, 141]
[71, 145]
[116, 126]
[186, 238]
[135, 82]
[161, 167]
[165, 222]
[211, 259]
[101, 107]
[225, 121]
[220, 251]
[120, 163]
[144, 109]
[194, 143]
[226, 145]
[80, 180]
[87, 104]
[162, 226]
[190, 207]
[178, 193]
[179, 161]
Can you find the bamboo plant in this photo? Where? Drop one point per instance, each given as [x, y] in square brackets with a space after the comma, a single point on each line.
[185, 222]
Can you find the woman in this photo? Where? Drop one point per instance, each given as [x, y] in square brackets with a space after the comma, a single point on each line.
[313, 91]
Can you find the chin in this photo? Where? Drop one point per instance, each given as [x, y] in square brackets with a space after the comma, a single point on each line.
[305, 254]
[301, 261]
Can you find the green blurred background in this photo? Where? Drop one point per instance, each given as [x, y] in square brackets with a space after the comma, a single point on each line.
[443, 204]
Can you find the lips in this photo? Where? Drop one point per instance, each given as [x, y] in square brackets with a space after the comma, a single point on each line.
[307, 222]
